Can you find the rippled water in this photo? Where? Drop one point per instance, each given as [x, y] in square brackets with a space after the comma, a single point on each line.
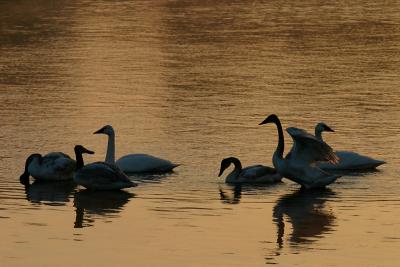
[190, 81]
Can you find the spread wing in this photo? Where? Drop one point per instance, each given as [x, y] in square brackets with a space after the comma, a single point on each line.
[307, 148]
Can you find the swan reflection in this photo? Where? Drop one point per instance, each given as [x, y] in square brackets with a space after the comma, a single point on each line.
[231, 197]
[50, 193]
[307, 213]
[91, 205]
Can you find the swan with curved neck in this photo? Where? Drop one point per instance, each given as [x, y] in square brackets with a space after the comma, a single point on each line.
[99, 175]
[299, 166]
[348, 160]
[252, 174]
[55, 166]
[134, 163]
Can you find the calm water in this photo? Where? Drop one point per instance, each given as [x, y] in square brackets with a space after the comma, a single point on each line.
[190, 81]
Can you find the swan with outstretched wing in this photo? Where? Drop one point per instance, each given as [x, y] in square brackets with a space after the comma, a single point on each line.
[300, 164]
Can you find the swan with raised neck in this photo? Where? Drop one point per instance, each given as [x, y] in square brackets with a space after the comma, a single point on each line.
[134, 163]
[299, 166]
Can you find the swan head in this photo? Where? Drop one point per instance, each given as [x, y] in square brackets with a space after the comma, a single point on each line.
[270, 119]
[321, 127]
[108, 130]
[81, 150]
[225, 163]
[24, 178]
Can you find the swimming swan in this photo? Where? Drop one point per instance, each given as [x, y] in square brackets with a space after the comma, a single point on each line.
[99, 175]
[347, 160]
[298, 165]
[55, 166]
[134, 163]
[252, 174]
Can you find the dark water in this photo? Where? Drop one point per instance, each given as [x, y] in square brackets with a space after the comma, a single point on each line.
[190, 81]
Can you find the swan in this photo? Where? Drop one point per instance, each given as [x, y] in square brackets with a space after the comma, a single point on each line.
[299, 165]
[99, 175]
[134, 163]
[55, 166]
[252, 174]
[347, 160]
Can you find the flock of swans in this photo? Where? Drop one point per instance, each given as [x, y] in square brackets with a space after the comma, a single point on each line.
[311, 162]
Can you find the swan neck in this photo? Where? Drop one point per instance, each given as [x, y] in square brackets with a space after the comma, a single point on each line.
[281, 140]
[27, 162]
[238, 165]
[232, 177]
[110, 156]
[79, 160]
[318, 134]
[24, 178]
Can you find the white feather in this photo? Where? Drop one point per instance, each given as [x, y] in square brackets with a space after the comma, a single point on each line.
[55, 166]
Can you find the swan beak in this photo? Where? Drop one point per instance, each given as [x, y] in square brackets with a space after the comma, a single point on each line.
[87, 151]
[100, 131]
[328, 129]
[264, 122]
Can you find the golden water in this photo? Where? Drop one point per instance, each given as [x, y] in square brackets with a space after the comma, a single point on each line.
[190, 81]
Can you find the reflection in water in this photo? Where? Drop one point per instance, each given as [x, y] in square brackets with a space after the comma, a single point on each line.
[56, 193]
[307, 213]
[149, 177]
[231, 198]
[103, 204]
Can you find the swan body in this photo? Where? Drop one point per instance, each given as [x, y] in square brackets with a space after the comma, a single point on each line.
[55, 166]
[143, 163]
[348, 161]
[99, 175]
[299, 165]
[134, 163]
[257, 174]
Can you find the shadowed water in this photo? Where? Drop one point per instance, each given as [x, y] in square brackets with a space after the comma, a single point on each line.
[189, 81]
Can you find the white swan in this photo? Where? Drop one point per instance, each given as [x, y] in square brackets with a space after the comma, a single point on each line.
[299, 166]
[134, 163]
[253, 174]
[99, 175]
[348, 161]
[55, 166]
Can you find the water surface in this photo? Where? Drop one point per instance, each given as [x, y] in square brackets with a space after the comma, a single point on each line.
[190, 81]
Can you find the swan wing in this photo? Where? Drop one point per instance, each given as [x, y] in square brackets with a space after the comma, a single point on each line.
[102, 176]
[56, 166]
[255, 171]
[307, 148]
[103, 173]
